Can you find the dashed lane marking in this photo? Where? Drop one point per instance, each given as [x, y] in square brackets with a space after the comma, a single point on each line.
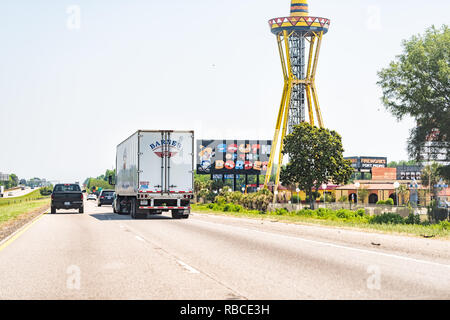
[187, 267]
[139, 238]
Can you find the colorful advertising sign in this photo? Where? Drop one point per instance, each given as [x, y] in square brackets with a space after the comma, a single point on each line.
[365, 164]
[233, 156]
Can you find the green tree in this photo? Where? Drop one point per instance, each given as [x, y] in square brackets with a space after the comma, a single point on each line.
[394, 164]
[417, 84]
[315, 157]
[109, 173]
[14, 180]
[402, 192]
[431, 176]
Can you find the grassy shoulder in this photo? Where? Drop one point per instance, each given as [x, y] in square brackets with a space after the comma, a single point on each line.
[340, 218]
[12, 211]
[35, 195]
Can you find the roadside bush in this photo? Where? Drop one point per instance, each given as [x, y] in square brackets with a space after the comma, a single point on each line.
[412, 219]
[306, 213]
[220, 200]
[344, 214]
[295, 199]
[444, 225]
[46, 191]
[343, 199]
[387, 218]
[388, 202]
[361, 212]
[281, 212]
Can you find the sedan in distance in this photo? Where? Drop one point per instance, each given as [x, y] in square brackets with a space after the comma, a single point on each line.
[105, 197]
[91, 196]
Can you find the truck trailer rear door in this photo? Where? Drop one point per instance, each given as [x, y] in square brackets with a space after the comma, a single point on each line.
[151, 161]
[180, 159]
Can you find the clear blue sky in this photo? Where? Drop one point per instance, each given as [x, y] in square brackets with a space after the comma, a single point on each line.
[69, 96]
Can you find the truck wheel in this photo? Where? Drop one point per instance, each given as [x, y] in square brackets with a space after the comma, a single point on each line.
[177, 214]
[53, 210]
[81, 210]
[133, 209]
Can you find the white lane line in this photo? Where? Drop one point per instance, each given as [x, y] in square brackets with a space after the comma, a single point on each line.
[139, 238]
[187, 267]
[333, 245]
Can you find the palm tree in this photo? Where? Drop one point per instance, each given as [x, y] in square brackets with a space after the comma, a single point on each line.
[431, 176]
[402, 191]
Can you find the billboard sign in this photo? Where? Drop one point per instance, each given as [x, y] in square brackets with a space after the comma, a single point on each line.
[233, 156]
[365, 164]
[373, 162]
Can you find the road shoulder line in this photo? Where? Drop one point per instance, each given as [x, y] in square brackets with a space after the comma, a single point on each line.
[16, 234]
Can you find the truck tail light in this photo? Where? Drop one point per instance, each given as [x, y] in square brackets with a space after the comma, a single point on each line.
[102, 197]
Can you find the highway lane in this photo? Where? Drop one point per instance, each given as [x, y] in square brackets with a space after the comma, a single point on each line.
[18, 192]
[101, 255]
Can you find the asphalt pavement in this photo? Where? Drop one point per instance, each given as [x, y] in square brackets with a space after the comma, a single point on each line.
[18, 192]
[101, 255]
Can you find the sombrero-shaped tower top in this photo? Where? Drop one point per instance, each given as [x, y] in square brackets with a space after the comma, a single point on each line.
[299, 8]
[299, 20]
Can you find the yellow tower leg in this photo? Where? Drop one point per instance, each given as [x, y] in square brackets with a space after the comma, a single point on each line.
[280, 113]
[275, 137]
[313, 79]
[283, 135]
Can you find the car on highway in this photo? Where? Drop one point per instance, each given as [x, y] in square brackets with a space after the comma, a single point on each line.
[67, 196]
[105, 197]
[92, 196]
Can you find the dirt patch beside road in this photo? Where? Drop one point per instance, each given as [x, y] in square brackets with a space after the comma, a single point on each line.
[9, 227]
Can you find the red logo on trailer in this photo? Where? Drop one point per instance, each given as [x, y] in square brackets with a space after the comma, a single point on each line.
[166, 148]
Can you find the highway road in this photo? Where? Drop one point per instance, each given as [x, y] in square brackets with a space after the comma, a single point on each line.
[18, 192]
[101, 255]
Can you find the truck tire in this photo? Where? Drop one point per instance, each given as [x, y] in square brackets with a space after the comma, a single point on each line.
[53, 210]
[178, 214]
[81, 210]
[133, 209]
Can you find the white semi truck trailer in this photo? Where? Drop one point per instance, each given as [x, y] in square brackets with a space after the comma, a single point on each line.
[155, 174]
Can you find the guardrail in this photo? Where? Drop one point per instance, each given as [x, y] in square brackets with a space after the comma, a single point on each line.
[8, 202]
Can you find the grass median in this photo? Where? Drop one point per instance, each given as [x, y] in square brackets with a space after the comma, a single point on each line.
[16, 212]
[343, 219]
[12, 211]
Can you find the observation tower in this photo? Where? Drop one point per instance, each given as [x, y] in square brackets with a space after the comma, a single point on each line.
[296, 35]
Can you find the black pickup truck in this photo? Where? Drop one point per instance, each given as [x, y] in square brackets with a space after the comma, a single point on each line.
[67, 196]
